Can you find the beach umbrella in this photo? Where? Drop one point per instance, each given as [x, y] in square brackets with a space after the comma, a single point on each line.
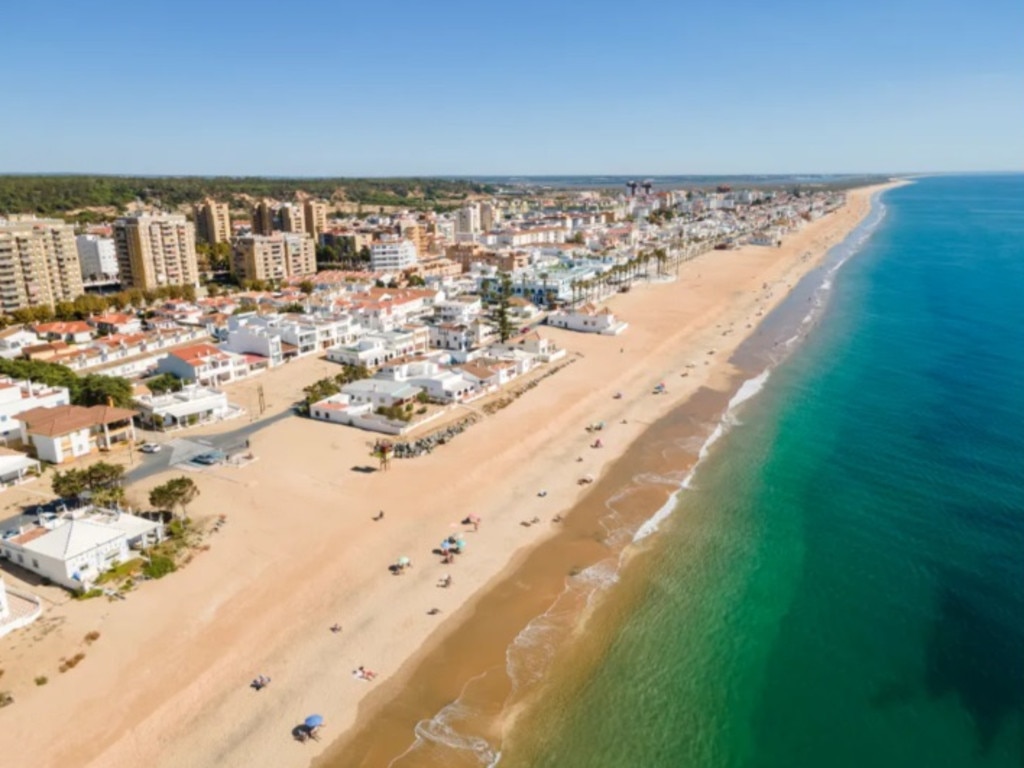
[404, 561]
[461, 544]
[445, 545]
[314, 721]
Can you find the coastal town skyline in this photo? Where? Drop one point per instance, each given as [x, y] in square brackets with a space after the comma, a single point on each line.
[453, 89]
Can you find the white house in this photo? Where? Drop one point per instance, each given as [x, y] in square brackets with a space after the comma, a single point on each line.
[588, 319]
[75, 549]
[375, 349]
[16, 467]
[20, 396]
[66, 432]
[545, 350]
[380, 393]
[14, 340]
[194, 404]
[441, 384]
[205, 364]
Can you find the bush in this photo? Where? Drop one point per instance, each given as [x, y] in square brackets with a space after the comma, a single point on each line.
[158, 567]
[42, 680]
[94, 592]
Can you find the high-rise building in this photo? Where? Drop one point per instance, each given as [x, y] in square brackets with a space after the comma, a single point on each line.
[263, 218]
[213, 222]
[38, 263]
[97, 257]
[273, 257]
[316, 217]
[156, 250]
[292, 218]
[467, 220]
[490, 216]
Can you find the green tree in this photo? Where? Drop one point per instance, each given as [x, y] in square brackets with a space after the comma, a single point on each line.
[307, 287]
[502, 313]
[417, 281]
[96, 389]
[103, 475]
[178, 492]
[164, 383]
[70, 484]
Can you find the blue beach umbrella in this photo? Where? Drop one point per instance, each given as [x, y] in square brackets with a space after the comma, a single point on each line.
[314, 721]
[460, 544]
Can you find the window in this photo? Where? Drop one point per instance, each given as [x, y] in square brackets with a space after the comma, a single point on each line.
[35, 563]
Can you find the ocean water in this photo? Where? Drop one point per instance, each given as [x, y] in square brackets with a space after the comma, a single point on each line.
[842, 581]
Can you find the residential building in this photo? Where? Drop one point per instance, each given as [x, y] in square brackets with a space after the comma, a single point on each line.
[375, 349]
[263, 218]
[20, 396]
[380, 393]
[74, 549]
[38, 263]
[205, 364]
[65, 432]
[71, 331]
[467, 220]
[194, 404]
[97, 257]
[315, 213]
[16, 467]
[116, 322]
[14, 340]
[213, 221]
[156, 250]
[588, 319]
[392, 255]
[273, 257]
[292, 218]
[490, 216]
[250, 334]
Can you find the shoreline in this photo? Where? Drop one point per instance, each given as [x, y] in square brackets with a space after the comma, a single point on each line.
[700, 417]
[301, 553]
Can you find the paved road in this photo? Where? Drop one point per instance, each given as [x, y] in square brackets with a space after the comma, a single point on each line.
[182, 449]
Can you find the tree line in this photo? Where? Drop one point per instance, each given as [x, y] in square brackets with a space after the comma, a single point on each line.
[91, 389]
[57, 194]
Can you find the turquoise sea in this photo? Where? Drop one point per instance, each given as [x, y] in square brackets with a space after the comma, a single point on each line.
[842, 584]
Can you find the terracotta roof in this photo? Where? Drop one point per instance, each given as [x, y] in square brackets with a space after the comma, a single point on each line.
[198, 353]
[65, 419]
[75, 326]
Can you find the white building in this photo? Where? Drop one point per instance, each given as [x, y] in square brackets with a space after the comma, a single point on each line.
[16, 467]
[393, 255]
[205, 364]
[20, 396]
[14, 340]
[69, 431]
[75, 549]
[467, 220]
[97, 257]
[375, 349]
[192, 405]
[588, 319]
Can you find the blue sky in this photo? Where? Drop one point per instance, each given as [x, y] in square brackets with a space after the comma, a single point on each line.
[453, 87]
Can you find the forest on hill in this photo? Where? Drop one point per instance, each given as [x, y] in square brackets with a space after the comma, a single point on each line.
[56, 195]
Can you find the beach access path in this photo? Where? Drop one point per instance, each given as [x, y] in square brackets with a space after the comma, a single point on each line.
[167, 682]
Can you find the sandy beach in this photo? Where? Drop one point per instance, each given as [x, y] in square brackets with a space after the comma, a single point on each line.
[167, 681]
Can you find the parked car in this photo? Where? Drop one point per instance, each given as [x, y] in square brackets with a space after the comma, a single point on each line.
[150, 447]
[206, 459]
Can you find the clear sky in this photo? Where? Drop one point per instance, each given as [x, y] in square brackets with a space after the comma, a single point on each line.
[405, 87]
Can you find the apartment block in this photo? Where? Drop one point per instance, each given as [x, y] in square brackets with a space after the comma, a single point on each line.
[38, 263]
[467, 220]
[97, 257]
[316, 217]
[273, 257]
[213, 222]
[292, 218]
[156, 250]
[263, 218]
[392, 255]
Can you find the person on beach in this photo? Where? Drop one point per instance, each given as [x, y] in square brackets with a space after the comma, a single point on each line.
[336, 628]
[379, 516]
